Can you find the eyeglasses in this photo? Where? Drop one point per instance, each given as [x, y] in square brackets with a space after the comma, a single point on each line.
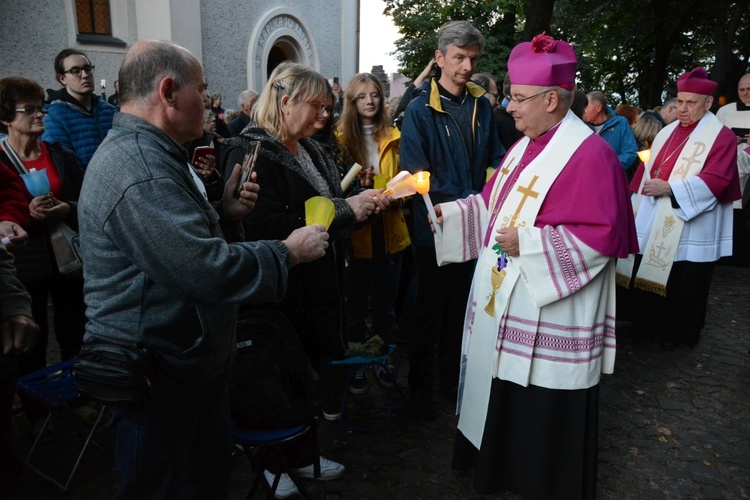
[32, 110]
[323, 109]
[76, 71]
[522, 100]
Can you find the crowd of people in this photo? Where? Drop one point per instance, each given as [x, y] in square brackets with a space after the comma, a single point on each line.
[542, 205]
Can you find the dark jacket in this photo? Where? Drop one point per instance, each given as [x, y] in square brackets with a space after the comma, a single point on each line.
[35, 260]
[75, 127]
[431, 140]
[314, 296]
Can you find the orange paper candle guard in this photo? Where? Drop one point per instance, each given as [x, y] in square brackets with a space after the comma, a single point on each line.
[422, 182]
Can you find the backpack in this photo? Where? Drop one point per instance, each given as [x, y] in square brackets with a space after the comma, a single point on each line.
[271, 383]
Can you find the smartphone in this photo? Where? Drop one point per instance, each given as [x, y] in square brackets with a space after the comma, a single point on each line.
[740, 132]
[104, 84]
[202, 152]
[248, 163]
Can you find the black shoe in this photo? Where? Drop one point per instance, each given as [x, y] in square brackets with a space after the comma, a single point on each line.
[358, 382]
[384, 374]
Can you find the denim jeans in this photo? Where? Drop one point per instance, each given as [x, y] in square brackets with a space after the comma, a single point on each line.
[178, 446]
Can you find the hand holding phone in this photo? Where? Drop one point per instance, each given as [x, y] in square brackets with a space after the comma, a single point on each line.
[201, 152]
[248, 164]
[741, 133]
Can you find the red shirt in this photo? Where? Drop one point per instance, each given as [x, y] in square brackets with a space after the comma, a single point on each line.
[45, 161]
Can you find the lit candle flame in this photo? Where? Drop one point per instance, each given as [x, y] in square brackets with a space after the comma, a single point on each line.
[644, 155]
[422, 182]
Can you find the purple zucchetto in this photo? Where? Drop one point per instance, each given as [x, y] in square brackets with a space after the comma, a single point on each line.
[544, 62]
[696, 81]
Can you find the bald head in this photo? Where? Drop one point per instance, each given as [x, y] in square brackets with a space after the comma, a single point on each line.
[162, 83]
[743, 89]
[146, 64]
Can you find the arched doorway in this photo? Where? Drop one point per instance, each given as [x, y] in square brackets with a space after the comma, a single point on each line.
[279, 36]
[285, 49]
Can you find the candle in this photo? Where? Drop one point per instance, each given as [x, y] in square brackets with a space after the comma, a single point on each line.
[422, 183]
[644, 155]
[350, 175]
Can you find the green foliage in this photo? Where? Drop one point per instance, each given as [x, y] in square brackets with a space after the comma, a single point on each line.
[632, 51]
[418, 22]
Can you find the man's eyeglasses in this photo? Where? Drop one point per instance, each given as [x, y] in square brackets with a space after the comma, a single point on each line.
[518, 102]
[76, 71]
[32, 110]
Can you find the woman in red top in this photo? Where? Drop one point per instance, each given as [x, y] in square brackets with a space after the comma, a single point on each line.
[22, 118]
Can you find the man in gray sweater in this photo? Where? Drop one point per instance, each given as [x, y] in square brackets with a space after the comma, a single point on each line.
[159, 274]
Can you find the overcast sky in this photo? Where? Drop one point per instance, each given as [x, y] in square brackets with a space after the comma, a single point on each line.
[377, 37]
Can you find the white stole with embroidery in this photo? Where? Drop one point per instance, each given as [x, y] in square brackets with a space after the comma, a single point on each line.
[519, 209]
[666, 228]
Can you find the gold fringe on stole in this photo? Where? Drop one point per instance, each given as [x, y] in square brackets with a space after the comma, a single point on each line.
[496, 278]
[622, 280]
[651, 286]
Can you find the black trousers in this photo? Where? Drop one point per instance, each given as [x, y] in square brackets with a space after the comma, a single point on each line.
[438, 322]
[679, 317]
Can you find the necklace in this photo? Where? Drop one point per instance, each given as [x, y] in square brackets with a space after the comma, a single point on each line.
[665, 160]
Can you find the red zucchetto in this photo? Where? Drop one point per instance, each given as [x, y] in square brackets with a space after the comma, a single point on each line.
[696, 81]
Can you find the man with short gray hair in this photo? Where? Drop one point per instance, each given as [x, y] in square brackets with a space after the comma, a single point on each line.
[613, 128]
[246, 101]
[160, 276]
[448, 131]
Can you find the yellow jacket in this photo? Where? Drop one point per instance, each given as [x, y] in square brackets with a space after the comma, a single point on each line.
[396, 234]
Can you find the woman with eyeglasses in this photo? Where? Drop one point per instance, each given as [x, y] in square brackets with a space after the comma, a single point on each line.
[22, 118]
[377, 249]
[291, 169]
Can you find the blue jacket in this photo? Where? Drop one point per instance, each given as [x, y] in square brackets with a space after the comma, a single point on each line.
[617, 132]
[431, 140]
[75, 127]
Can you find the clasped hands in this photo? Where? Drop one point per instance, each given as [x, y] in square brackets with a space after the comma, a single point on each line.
[507, 237]
[47, 208]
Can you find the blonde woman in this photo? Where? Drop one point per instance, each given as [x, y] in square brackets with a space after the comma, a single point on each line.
[366, 133]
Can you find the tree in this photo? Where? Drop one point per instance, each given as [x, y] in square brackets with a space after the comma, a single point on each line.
[632, 51]
[418, 22]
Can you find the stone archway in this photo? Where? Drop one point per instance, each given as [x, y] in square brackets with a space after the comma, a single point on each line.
[279, 36]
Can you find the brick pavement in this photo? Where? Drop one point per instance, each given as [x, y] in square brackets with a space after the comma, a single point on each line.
[673, 424]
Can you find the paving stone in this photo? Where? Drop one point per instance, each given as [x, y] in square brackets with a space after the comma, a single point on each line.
[701, 395]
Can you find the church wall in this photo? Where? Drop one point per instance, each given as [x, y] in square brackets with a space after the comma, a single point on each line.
[228, 27]
[34, 32]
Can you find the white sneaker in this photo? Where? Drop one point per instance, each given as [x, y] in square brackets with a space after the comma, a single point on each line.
[286, 487]
[329, 470]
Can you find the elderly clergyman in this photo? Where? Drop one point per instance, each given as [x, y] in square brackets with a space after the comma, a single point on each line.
[540, 321]
[160, 275]
[683, 206]
[736, 116]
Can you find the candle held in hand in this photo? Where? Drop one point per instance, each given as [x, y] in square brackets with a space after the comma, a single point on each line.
[644, 155]
[422, 183]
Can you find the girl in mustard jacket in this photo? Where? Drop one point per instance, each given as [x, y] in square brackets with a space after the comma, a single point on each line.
[378, 248]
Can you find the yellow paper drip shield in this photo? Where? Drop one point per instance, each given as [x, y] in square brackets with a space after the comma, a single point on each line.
[319, 210]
